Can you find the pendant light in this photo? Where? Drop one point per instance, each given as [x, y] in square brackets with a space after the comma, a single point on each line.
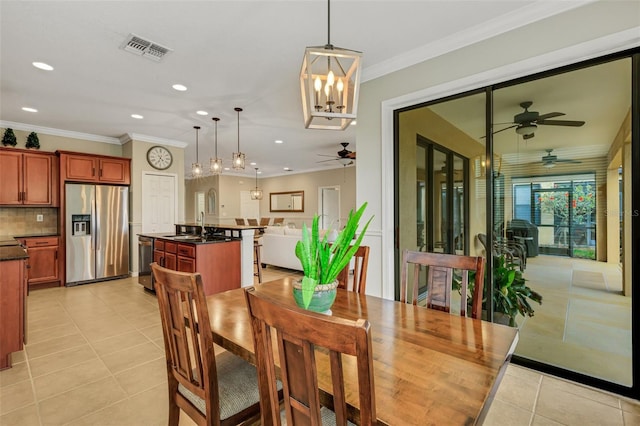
[196, 168]
[238, 157]
[256, 194]
[215, 163]
[335, 106]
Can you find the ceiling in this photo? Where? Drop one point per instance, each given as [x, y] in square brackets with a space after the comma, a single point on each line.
[229, 54]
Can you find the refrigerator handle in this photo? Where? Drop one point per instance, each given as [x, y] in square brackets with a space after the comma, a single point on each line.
[94, 228]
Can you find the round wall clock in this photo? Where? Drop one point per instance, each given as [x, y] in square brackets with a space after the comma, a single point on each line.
[159, 157]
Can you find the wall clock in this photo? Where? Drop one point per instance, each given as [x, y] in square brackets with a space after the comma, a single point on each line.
[159, 157]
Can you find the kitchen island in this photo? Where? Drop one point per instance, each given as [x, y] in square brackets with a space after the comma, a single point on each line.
[13, 299]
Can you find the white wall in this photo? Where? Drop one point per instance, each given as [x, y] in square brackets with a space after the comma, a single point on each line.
[566, 38]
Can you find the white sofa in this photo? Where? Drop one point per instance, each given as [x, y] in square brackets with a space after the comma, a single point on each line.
[279, 246]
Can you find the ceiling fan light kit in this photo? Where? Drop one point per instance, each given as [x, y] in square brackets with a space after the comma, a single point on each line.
[329, 84]
[526, 123]
[345, 157]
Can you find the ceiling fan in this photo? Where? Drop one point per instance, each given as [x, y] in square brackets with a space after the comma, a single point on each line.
[527, 121]
[550, 160]
[345, 157]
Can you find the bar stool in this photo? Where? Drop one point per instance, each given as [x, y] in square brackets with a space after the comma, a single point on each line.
[256, 259]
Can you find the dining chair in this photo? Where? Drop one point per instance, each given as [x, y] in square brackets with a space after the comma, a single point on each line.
[359, 282]
[212, 389]
[253, 222]
[240, 221]
[278, 220]
[439, 280]
[297, 333]
[264, 221]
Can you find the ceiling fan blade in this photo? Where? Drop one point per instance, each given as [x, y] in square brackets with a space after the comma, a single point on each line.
[529, 136]
[562, 160]
[569, 123]
[550, 115]
[506, 128]
[324, 161]
[325, 155]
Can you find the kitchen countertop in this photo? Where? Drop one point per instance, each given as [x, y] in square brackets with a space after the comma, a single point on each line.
[221, 226]
[12, 252]
[192, 239]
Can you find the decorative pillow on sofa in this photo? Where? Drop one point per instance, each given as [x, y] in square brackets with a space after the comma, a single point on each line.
[279, 230]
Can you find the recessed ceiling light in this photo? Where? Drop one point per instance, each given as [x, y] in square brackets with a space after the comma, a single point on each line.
[286, 168]
[259, 172]
[253, 163]
[279, 141]
[42, 66]
[227, 168]
[137, 116]
[202, 112]
[353, 123]
[29, 109]
[179, 87]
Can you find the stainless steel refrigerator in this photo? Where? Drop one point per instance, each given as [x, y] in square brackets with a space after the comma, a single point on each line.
[97, 232]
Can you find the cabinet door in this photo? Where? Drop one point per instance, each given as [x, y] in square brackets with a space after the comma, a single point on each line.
[43, 264]
[114, 170]
[186, 264]
[81, 167]
[158, 257]
[11, 178]
[170, 261]
[37, 179]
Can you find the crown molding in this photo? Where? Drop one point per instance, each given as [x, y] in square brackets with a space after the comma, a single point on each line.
[504, 23]
[128, 137]
[59, 132]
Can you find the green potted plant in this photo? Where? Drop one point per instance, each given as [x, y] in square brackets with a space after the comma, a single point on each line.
[32, 141]
[9, 138]
[322, 261]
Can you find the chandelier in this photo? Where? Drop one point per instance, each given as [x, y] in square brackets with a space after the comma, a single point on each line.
[330, 84]
[196, 168]
[256, 194]
[215, 163]
[238, 157]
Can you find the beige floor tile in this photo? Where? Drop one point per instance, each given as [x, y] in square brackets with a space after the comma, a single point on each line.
[502, 414]
[80, 401]
[69, 378]
[583, 391]
[18, 357]
[143, 377]
[523, 372]
[519, 391]
[18, 373]
[543, 421]
[38, 336]
[630, 406]
[25, 416]
[131, 357]
[145, 320]
[153, 332]
[49, 322]
[59, 360]
[16, 396]
[57, 344]
[570, 409]
[100, 330]
[119, 342]
[631, 419]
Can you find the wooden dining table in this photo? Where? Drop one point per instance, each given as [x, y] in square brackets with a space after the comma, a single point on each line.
[430, 367]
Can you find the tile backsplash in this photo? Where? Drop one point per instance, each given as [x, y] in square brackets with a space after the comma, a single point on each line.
[23, 220]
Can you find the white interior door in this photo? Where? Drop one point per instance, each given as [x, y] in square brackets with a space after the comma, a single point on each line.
[159, 195]
[329, 202]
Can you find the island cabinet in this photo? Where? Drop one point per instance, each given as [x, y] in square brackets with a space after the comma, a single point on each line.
[28, 178]
[80, 167]
[13, 299]
[217, 262]
[42, 266]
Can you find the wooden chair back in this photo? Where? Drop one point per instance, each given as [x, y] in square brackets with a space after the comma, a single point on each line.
[440, 276]
[253, 222]
[278, 220]
[297, 333]
[190, 356]
[240, 221]
[264, 221]
[361, 262]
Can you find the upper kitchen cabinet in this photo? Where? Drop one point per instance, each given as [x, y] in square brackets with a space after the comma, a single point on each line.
[95, 168]
[29, 178]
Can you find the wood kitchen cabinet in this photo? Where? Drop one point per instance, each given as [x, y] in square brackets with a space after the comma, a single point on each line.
[28, 178]
[43, 261]
[13, 299]
[218, 263]
[79, 167]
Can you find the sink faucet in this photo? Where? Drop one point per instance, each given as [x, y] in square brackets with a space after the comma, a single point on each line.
[201, 219]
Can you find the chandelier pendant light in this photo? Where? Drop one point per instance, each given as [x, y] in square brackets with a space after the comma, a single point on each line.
[215, 163]
[238, 157]
[196, 168]
[256, 194]
[330, 84]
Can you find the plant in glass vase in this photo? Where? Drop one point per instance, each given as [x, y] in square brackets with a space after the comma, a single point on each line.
[322, 260]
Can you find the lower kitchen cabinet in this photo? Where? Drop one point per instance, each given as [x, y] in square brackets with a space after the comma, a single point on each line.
[13, 299]
[43, 263]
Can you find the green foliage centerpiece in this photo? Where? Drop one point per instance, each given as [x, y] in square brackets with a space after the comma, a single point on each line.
[322, 260]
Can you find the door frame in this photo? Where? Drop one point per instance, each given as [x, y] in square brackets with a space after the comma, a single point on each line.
[143, 185]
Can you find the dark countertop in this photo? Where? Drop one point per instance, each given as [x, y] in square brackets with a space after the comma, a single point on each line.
[192, 239]
[221, 226]
[14, 252]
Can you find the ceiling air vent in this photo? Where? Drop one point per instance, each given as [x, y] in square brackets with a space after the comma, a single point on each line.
[144, 47]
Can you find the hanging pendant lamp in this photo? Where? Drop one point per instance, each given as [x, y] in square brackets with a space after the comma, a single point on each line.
[215, 163]
[196, 168]
[335, 106]
[256, 194]
[238, 157]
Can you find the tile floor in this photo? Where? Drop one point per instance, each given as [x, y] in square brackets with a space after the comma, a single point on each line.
[95, 357]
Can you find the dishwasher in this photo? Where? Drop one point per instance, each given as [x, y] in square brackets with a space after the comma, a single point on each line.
[145, 258]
